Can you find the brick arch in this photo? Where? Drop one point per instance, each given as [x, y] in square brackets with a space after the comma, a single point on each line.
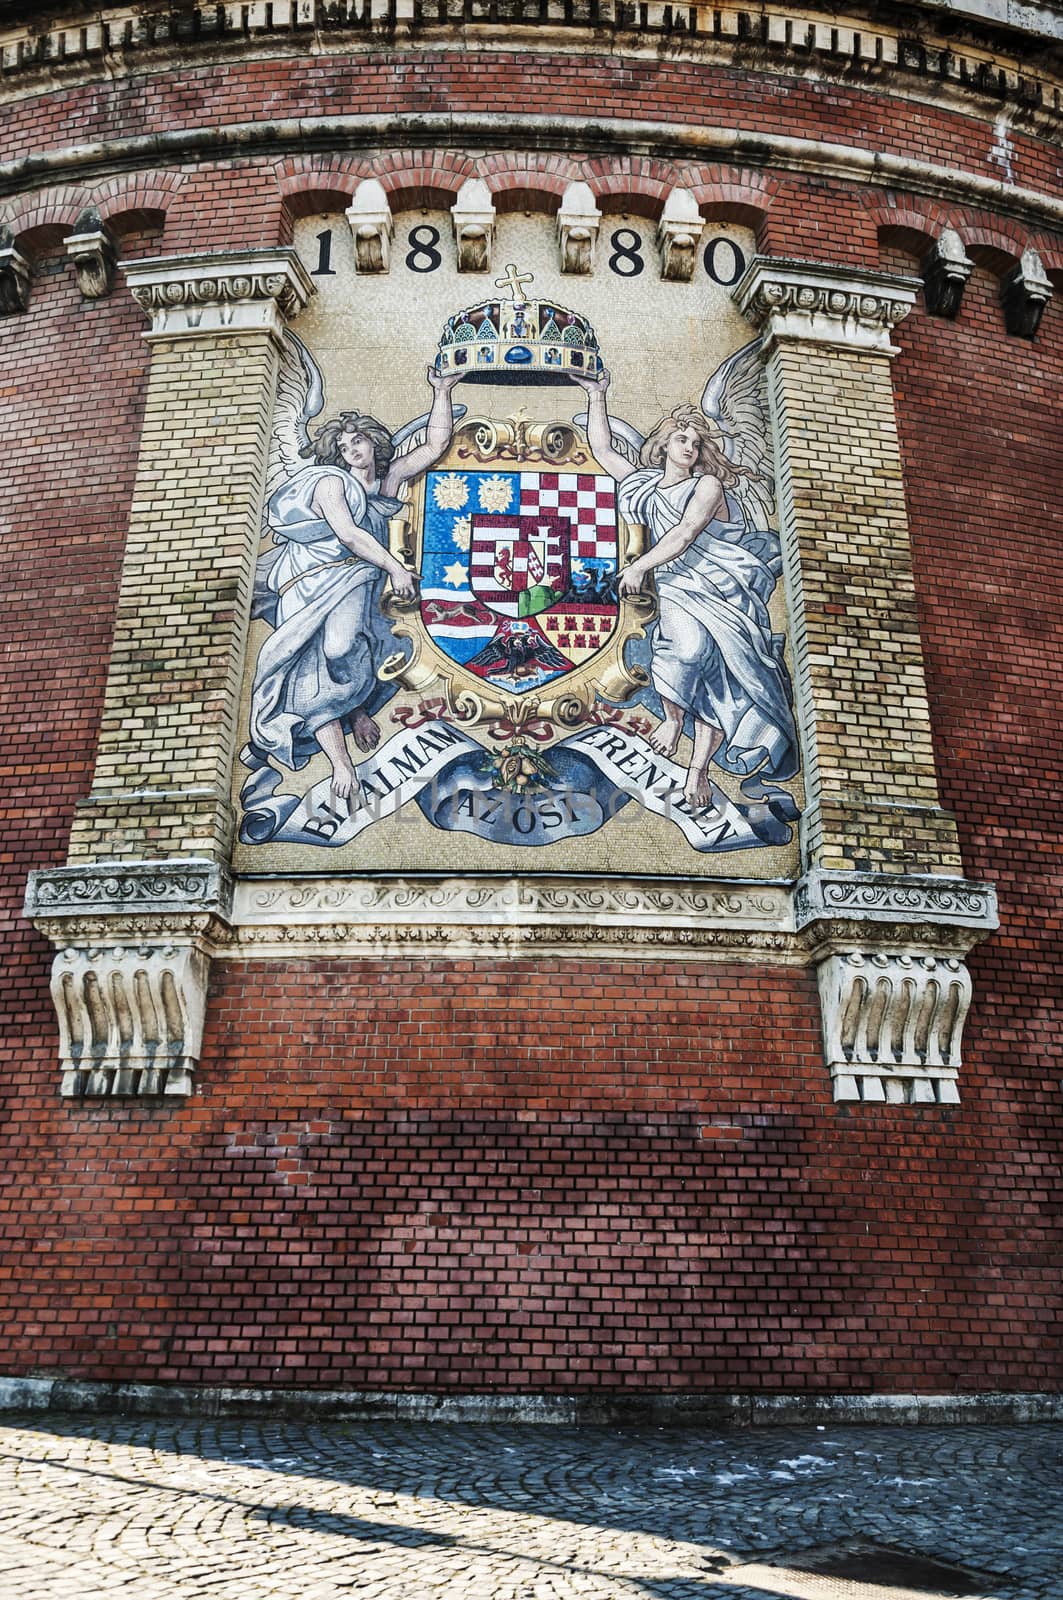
[730, 194]
[637, 184]
[414, 178]
[312, 183]
[135, 196]
[34, 219]
[1050, 248]
[527, 181]
[993, 242]
[914, 213]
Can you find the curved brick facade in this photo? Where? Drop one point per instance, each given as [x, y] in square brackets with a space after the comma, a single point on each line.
[502, 1169]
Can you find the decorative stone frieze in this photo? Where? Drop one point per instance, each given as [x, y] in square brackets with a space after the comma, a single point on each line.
[92, 249]
[372, 227]
[884, 897]
[578, 222]
[15, 275]
[944, 271]
[679, 235]
[473, 214]
[246, 291]
[1024, 293]
[825, 305]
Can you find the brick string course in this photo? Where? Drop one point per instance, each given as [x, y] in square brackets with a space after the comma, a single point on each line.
[562, 1174]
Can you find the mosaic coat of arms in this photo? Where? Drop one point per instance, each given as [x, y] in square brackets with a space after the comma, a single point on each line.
[517, 625]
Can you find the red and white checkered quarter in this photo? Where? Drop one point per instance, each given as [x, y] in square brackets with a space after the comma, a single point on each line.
[585, 498]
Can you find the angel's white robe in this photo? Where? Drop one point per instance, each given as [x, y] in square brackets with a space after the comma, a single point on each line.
[319, 664]
[714, 652]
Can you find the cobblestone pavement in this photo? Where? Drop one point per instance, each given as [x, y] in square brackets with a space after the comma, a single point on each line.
[178, 1510]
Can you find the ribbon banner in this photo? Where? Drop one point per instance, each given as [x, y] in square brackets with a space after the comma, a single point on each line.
[573, 788]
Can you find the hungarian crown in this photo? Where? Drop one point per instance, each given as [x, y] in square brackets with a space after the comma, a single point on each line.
[518, 340]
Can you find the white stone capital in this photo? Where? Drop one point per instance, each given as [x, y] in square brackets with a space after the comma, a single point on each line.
[242, 291]
[822, 304]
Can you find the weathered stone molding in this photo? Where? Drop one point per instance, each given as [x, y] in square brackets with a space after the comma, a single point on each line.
[679, 236]
[994, 64]
[92, 249]
[109, 889]
[473, 217]
[130, 1017]
[372, 227]
[893, 1024]
[134, 942]
[823, 304]
[222, 293]
[944, 271]
[578, 222]
[129, 980]
[490, 132]
[884, 897]
[15, 276]
[1024, 293]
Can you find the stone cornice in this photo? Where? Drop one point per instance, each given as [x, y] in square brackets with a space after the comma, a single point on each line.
[820, 304]
[879, 897]
[993, 50]
[241, 291]
[478, 131]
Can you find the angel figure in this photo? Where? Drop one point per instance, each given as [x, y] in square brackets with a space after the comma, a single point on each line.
[319, 585]
[698, 485]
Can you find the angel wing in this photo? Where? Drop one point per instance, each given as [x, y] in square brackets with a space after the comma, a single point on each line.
[300, 396]
[735, 402]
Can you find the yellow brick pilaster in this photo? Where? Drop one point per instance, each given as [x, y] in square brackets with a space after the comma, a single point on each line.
[873, 802]
[167, 734]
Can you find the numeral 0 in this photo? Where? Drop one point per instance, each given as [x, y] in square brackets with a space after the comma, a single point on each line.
[738, 261]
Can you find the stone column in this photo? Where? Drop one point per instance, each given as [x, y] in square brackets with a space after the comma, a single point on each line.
[146, 888]
[882, 901]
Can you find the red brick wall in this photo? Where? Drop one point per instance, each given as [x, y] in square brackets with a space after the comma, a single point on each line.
[566, 1174]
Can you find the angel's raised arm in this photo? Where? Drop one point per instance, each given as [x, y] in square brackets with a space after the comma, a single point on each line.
[599, 428]
[438, 434]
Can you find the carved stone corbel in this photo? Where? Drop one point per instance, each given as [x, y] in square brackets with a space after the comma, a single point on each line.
[944, 270]
[129, 979]
[15, 274]
[679, 235]
[92, 249]
[473, 214]
[372, 227]
[894, 990]
[578, 222]
[1024, 293]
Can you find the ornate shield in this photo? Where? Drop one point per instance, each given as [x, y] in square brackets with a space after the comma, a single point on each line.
[518, 541]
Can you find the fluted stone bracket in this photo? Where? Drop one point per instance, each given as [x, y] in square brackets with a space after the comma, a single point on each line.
[578, 222]
[244, 291]
[15, 275]
[473, 216]
[944, 271]
[92, 249]
[894, 990]
[1024, 293]
[129, 979]
[824, 304]
[372, 227]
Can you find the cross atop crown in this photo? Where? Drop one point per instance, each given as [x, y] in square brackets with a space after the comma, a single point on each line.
[514, 281]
